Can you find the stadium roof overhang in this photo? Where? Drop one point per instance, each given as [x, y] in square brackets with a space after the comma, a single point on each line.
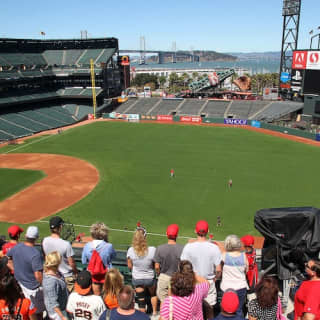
[35, 45]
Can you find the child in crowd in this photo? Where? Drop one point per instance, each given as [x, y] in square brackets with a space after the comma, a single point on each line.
[112, 285]
[252, 273]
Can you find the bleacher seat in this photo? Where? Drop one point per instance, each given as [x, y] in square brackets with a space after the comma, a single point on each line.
[278, 109]
[25, 122]
[191, 107]
[87, 55]
[12, 129]
[215, 108]
[4, 136]
[143, 105]
[166, 106]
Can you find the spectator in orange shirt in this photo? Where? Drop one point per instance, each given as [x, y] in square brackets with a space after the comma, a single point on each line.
[111, 287]
[12, 302]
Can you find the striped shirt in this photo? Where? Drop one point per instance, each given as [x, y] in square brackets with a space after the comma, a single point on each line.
[186, 308]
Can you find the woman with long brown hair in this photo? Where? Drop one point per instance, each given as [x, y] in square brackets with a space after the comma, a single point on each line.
[187, 293]
[265, 306]
[140, 261]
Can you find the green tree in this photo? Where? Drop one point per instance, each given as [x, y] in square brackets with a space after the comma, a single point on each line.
[162, 81]
[173, 79]
[142, 79]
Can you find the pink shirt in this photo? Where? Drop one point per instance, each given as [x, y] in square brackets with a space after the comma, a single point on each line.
[186, 308]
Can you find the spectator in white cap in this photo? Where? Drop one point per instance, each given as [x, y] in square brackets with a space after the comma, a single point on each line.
[28, 267]
[53, 243]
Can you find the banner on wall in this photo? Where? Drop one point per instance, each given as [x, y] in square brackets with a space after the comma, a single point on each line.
[255, 123]
[237, 122]
[190, 119]
[164, 117]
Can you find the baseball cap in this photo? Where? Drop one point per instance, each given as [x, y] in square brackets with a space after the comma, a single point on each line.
[55, 222]
[247, 240]
[172, 230]
[83, 283]
[14, 230]
[32, 232]
[230, 302]
[202, 227]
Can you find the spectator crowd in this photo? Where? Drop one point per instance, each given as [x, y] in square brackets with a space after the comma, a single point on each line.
[170, 281]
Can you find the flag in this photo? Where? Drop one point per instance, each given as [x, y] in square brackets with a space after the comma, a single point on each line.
[42, 33]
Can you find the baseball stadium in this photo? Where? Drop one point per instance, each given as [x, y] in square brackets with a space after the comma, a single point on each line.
[73, 145]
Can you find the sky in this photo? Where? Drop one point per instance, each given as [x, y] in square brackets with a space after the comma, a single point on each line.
[219, 25]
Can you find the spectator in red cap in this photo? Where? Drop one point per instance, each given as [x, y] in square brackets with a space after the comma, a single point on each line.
[14, 235]
[167, 258]
[229, 306]
[252, 273]
[205, 257]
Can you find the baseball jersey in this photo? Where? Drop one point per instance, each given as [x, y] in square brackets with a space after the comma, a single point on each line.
[85, 307]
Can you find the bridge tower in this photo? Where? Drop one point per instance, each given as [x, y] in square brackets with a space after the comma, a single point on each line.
[174, 54]
[291, 16]
[142, 50]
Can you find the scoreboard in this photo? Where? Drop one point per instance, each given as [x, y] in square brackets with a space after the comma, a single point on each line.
[305, 76]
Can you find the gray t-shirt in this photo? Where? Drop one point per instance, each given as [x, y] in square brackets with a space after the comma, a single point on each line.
[142, 266]
[51, 244]
[204, 256]
[168, 256]
[26, 261]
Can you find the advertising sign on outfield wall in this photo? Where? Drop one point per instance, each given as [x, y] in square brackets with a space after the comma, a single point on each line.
[255, 123]
[163, 117]
[132, 116]
[236, 122]
[190, 119]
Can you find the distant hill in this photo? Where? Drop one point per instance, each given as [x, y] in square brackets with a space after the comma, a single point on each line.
[214, 56]
[204, 55]
[268, 55]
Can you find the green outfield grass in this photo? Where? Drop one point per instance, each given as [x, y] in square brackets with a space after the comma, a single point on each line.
[134, 161]
[14, 180]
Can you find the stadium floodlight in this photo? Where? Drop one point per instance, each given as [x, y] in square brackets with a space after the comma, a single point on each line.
[291, 16]
[291, 7]
[316, 35]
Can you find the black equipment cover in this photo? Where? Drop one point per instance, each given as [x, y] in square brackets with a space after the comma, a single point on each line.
[293, 232]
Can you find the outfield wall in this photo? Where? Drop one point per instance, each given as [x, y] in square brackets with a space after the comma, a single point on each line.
[231, 122]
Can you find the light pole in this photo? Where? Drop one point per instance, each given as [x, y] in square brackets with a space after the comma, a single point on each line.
[315, 36]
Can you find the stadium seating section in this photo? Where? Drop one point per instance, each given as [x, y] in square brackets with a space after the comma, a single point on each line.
[191, 107]
[238, 109]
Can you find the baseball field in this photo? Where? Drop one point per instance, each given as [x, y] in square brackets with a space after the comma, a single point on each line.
[133, 163]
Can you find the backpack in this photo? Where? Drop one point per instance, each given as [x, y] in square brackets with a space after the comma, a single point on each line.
[96, 266]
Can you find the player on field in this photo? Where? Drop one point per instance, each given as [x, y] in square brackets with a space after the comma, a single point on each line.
[172, 173]
[230, 183]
